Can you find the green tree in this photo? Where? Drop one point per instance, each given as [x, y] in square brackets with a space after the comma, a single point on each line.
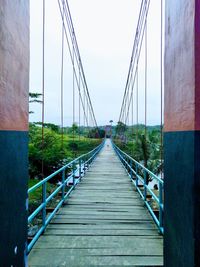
[51, 126]
[51, 151]
[34, 98]
[146, 149]
[96, 133]
[121, 128]
[74, 129]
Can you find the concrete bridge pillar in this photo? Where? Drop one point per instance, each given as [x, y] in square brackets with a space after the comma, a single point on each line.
[14, 87]
[182, 134]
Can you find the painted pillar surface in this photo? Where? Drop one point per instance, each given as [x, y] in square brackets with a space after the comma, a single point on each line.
[14, 84]
[182, 134]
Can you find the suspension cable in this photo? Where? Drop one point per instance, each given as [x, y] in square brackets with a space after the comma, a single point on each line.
[79, 58]
[84, 119]
[137, 105]
[137, 42]
[132, 122]
[73, 97]
[62, 81]
[43, 83]
[161, 111]
[132, 58]
[79, 107]
[76, 55]
[145, 102]
[135, 55]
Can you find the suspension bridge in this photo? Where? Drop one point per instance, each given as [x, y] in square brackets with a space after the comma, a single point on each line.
[103, 210]
[104, 222]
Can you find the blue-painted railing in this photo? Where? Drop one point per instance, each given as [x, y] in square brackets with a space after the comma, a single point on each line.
[78, 168]
[138, 175]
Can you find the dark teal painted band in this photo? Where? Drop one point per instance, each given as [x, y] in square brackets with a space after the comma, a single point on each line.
[182, 198]
[13, 192]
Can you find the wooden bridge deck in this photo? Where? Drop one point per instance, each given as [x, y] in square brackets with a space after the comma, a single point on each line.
[103, 224]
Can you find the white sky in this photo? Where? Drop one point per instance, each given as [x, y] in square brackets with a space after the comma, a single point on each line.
[105, 32]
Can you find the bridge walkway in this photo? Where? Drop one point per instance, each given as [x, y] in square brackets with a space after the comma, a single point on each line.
[104, 223]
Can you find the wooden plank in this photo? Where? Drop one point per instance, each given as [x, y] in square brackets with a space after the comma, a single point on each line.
[97, 221]
[104, 207]
[106, 226]
[112, 217]
[106, 196]
[138, 242]
[102, 213]
[101, 232]
[107, 200]
[108, 251]
[61, 258]
[105, 204]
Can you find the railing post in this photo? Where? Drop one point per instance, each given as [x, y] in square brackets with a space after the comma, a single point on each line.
[63, 184]
[145, 185]
[73, 173]
[80, 175]
[84, 166]
[160, 205]
[90, 159]
[127, 167]
[136, 180]
[130, 171]
[131, 164]
[44, 186]
[124, 162]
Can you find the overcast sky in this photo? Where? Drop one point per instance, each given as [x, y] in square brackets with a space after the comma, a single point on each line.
[105, 32]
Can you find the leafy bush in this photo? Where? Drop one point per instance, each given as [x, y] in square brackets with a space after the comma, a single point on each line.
[144, 149]
[52, 152]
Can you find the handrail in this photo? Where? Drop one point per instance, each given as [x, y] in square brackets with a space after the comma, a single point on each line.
[138, 173]
[78, 166]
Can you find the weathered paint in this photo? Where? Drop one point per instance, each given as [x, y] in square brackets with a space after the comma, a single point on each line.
[182, 134]
[14, 64]
[197, 65]
[14, 85]
[181, 83]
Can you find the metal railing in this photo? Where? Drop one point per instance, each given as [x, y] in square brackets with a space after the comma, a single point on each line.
[138, 175]
[78, 168]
